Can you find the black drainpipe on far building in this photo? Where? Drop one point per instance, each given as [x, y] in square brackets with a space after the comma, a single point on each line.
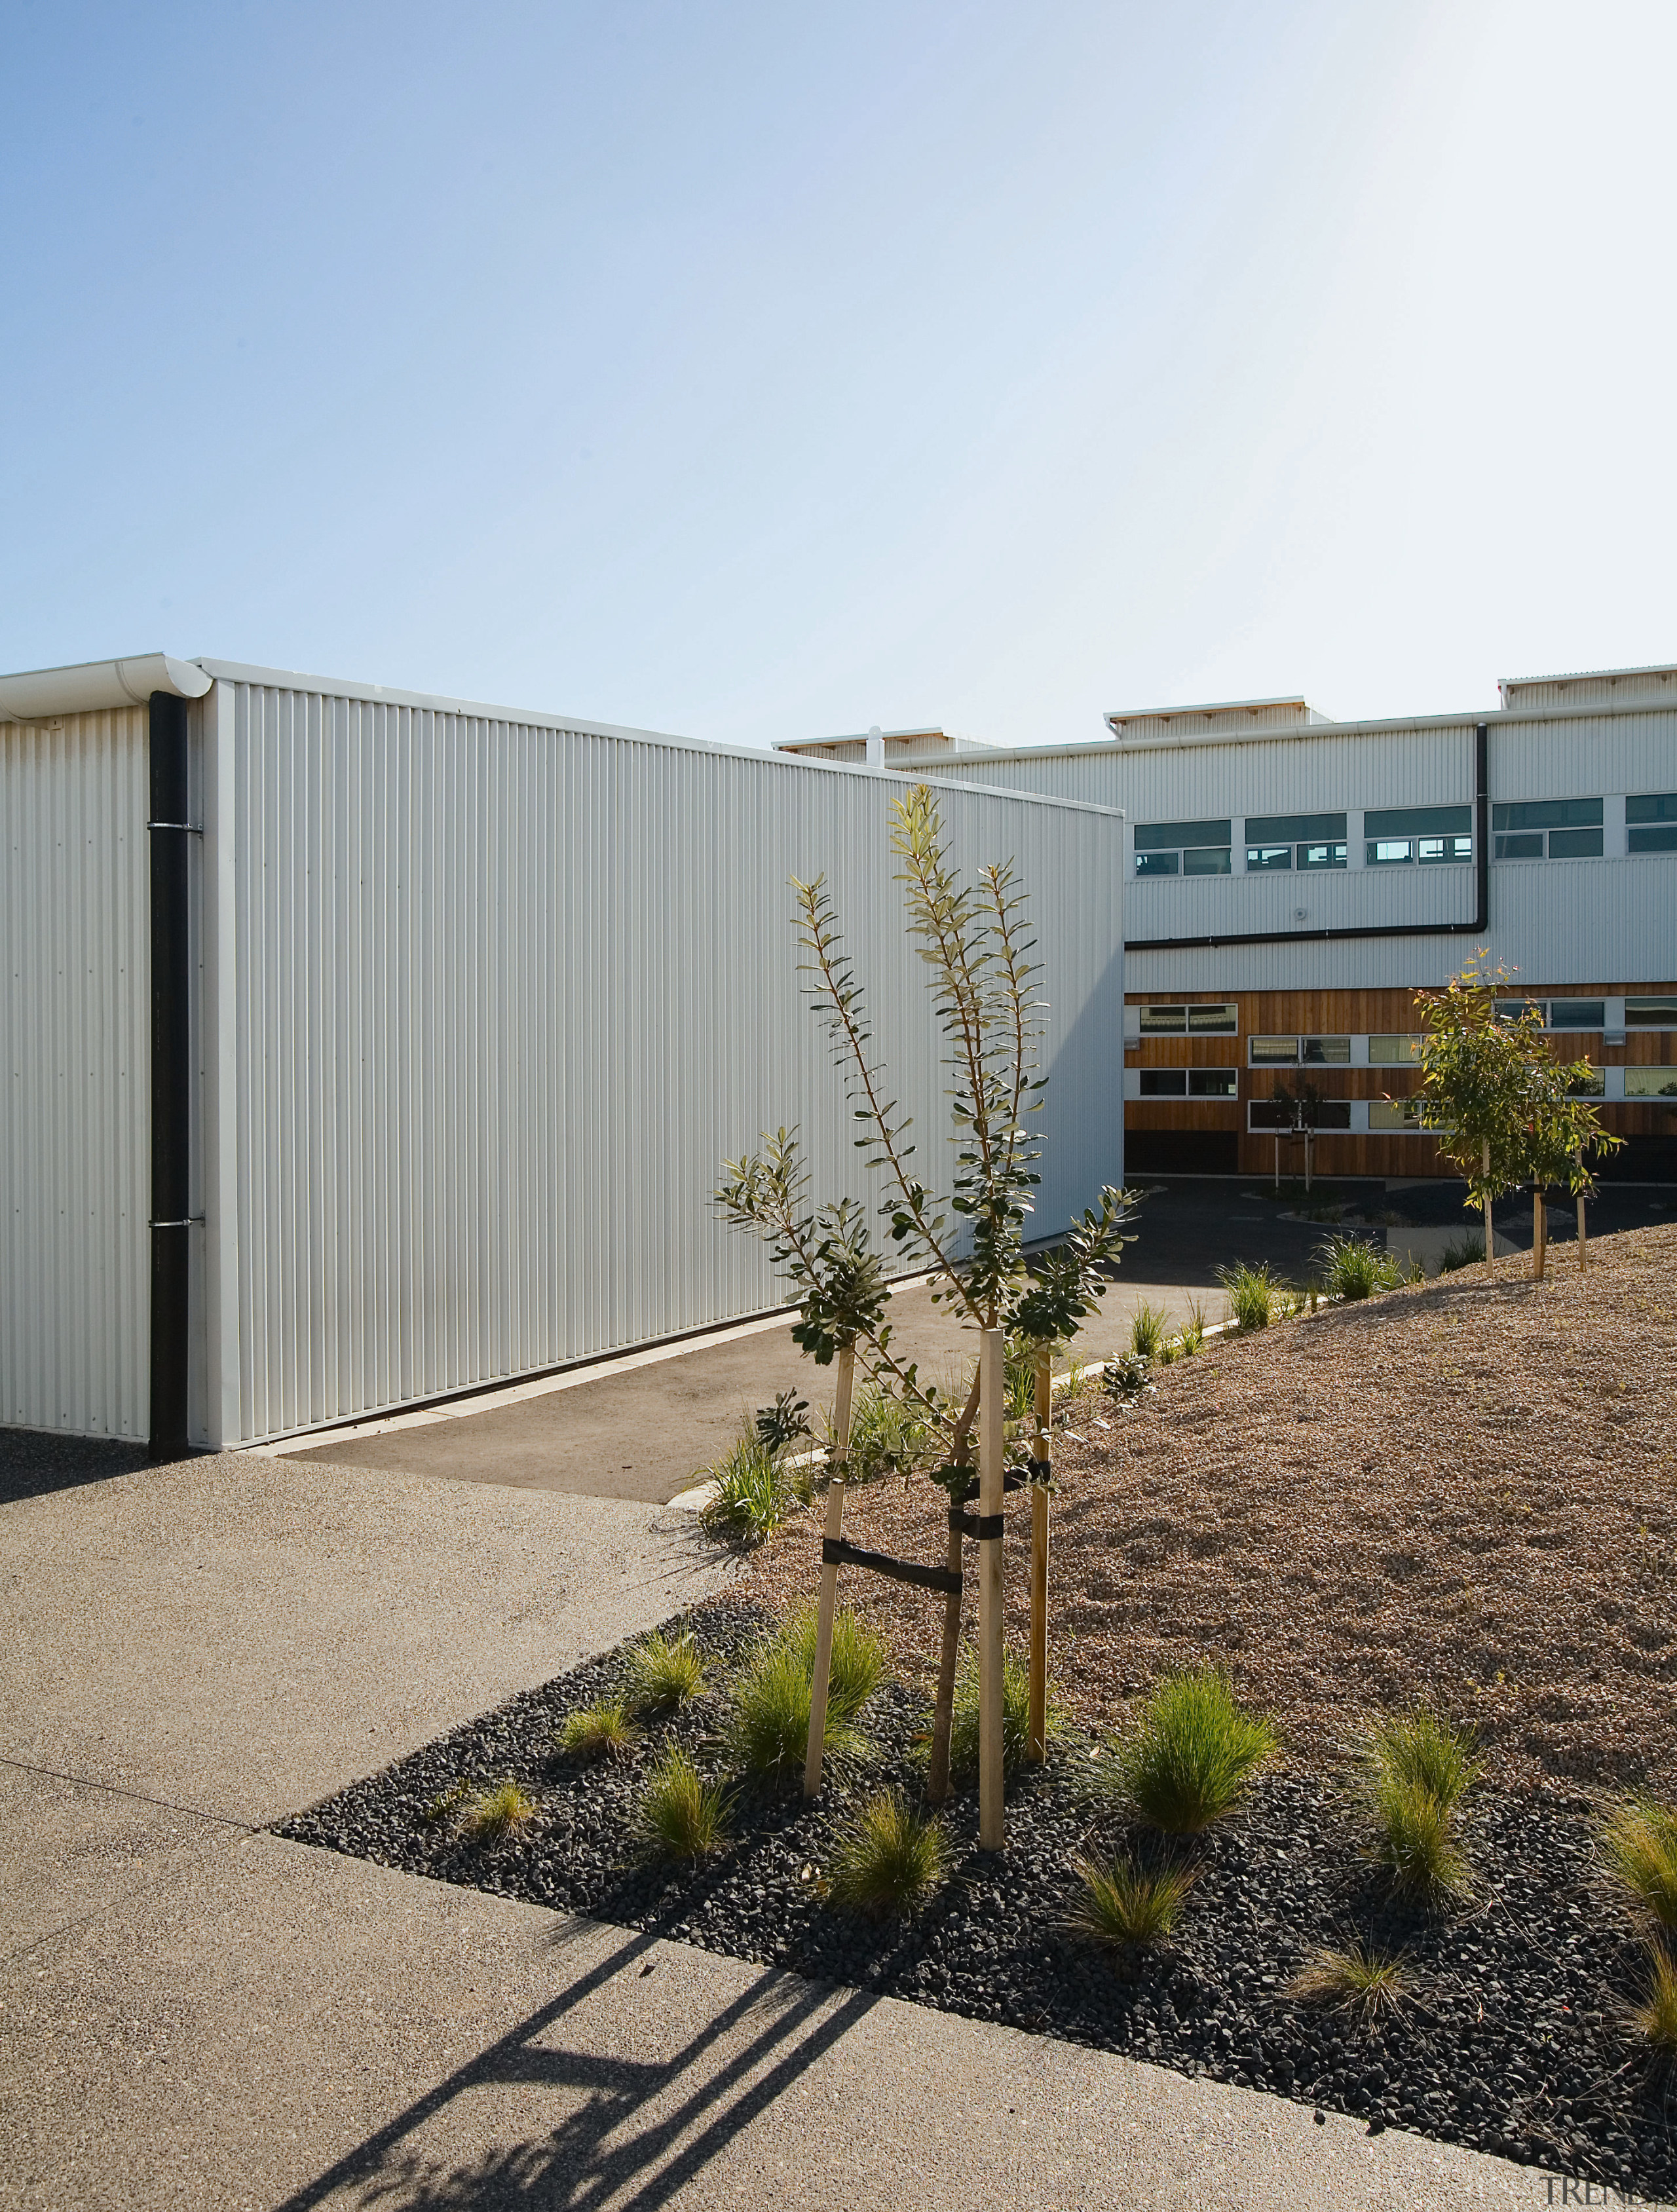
[169, 828]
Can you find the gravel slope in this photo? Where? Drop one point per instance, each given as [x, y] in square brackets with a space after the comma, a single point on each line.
[1466, 1489]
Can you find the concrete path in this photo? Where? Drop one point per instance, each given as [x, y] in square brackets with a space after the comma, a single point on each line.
[195, 2013]
[643, 1427]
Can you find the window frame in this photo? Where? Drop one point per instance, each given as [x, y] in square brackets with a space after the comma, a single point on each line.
[1526, 829]
[1410, 1037]
[1635, 1077]
[1158, 853]
[1406, 831]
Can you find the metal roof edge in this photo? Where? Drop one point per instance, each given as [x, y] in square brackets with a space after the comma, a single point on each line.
[96, 687]
[283, 679]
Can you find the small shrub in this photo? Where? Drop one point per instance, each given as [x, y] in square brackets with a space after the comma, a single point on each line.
[1417, 1770]
[1124, 1907]
[768, 1729]
[679, 1815]
[787, 1422]
[1464, 1251]
[1019, 1383]
[963, 1738]
[664, 1672]
[1078, 1381]
[1356, 1267]
[1254, 1294]
[888, 1859]
[1355, 1980]
[1639, 1843]
[1148, 1330]
[1189, 1755]
[493, 1814]
[1655, 2020]
[753, 1496]
[1193, 1338]
[598, 1731]
[1126, 1377]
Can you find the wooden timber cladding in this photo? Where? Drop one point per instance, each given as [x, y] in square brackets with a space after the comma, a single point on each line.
[1383, 1013]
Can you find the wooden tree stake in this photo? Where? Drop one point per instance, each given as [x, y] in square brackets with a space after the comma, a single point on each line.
[834, 1528]
[990, 1412]
[1581, 1219]
[1490, 1238]
[1036, 1741]
[1540, 1232]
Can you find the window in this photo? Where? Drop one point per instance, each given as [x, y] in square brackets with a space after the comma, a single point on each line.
[1577, 1014]
[1650, 1013]
[1396, 835]
[1516, 1010]
[1651, 822]
[1189, 1082]
[1650, 1082]
[1217, 1019]
[1272, 1051]
[1583, 1081]
[1395, 1117]
[1274, 1116]
[1573, 827]
[1325, 1051]
[1182, 849]
[1290, 840]
[1394, 1051]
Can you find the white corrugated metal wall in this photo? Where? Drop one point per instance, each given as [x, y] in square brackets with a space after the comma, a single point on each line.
[75, 1247]
[505, 996]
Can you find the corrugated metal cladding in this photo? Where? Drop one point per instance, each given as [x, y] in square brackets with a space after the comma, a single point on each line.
[75, 1246]
[507, 995]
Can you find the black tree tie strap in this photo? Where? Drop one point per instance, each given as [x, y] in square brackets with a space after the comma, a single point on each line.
[989, 1528]
[836, 1553]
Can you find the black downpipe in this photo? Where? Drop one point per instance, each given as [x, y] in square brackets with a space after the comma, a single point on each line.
[1474, 928]
[170, 1075]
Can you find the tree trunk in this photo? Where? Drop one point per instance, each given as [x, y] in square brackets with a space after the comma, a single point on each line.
[1490, 1238]
[1540, 1232]
[943, 1710]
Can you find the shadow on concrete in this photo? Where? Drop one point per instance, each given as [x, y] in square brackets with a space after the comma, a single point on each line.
[33, 1463]
[627, 2145]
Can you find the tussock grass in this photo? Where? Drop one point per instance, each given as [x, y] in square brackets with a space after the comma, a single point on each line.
[679, 1815]
[1188, 1757]
[1015, 1717]
[1147, 1327]
[1417, 1769]
[755, 1494]
[1639, 1843]
[664, 1672]
[1356, 1267]
[1125, 1906]
[1355, 1979]
[1464, 1251]
[599, 1731]
[1655, 2019]
[767, 1728]
[888, 1859]
[493, 1814]
[886, 1437]
[1255, 1295]
[446, 1803]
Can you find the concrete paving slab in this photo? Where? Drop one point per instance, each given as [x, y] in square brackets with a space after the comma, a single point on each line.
[244, 1635]
[274, 2027]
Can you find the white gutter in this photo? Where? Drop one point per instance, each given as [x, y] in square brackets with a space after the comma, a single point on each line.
[94, 686]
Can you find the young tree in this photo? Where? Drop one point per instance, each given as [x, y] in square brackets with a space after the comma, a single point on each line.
[1498, 1101]
[973, 936]
[1566, 1129]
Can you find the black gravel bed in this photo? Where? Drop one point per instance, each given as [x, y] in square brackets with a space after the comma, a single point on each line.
[1514, 2041]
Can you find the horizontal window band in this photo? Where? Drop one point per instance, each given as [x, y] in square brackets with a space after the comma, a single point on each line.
[1652, 806]
[1153, 836]
[1294, 828]
[1547, 814]
[1418, 821]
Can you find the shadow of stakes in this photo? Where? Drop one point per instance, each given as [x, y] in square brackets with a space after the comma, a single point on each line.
[598, 2156]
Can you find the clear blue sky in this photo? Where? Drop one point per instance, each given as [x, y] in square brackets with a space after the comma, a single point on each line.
[761, 372]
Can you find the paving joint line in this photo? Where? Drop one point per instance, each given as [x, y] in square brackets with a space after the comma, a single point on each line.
[138, 1796]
